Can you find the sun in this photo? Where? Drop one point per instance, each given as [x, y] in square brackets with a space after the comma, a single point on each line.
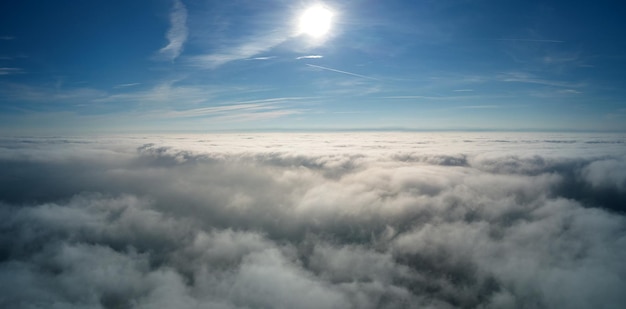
[315, 21]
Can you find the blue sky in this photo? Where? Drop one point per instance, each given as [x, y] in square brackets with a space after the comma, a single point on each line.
[191, 65]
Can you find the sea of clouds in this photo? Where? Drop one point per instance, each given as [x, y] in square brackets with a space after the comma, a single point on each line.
[324, 220]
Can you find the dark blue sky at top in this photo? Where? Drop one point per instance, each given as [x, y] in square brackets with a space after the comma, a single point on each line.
[124, 66]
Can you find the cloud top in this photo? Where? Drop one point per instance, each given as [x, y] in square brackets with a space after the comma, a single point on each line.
[342, 220]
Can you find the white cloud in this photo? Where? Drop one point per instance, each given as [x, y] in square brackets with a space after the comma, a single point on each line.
[609, 173]
[177, 34]
[262, 58]
[310, 57]
[335, 220]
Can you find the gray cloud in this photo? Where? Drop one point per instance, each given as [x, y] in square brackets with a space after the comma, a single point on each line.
[369, 220]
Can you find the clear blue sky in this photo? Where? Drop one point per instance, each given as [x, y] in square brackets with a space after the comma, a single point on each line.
[191, 65]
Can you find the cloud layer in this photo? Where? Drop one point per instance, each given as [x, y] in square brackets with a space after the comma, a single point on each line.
[348, 220]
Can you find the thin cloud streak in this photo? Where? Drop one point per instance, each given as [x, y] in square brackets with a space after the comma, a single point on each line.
[33, 94]
[342, 72]
[163, 93]
[310, 57]
[256, 115]
[252, 105]
[522, 77]
[478, 106]
[177, 34]
[262, 58]
[10, 71]
[409, 97]
[240, 52]
[127, 85]
[522, 40]
[241, 110]
[214, 110]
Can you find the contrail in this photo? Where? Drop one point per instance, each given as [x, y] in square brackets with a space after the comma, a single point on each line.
[339, 71]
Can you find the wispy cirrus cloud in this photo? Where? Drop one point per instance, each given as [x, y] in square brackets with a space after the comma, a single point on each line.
[265, 32]
[245, 50]
[40, 94]
[10, 71]
[478, 106]
[127, 85]
[235, 108]
[126, 93]
[164, 93]
[256, 115]
[310, 57]
[205, 111]
[262, 58]
[521, 40]
[561, 58]
[522, 77]
[233, 112]
[423, 97]
[167, 99]
[177, 34]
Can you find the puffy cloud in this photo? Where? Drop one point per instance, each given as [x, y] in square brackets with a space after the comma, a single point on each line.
[344, 220]
[610, 174]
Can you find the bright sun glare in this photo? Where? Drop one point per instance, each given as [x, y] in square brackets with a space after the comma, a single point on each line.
[316, 21]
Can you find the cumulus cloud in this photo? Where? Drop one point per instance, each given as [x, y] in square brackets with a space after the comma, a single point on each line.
[610, 173]
[342, 220]
[177, 34]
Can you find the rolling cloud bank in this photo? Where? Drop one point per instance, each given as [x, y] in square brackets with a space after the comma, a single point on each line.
[341, 220]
